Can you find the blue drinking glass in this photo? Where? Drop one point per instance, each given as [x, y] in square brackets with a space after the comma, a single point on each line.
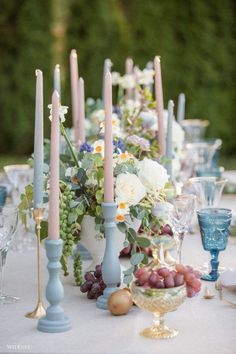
[214, 226]
[3, 195]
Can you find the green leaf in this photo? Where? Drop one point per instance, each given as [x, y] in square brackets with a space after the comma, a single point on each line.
[131, 235]
[127, 279]
[145, 259]
[136, 258]
[129, 271]
[122, 226]
[143, 242]
[73, 216]
[44, 230]
[141, 214]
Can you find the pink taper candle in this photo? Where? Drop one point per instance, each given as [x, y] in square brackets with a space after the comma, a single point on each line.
[159, 105]
[129, 70]
[74, 77]
[53, 214]
[108, 156]
[81, 120]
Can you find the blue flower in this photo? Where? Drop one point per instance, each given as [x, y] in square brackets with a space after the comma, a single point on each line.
[86, 147]
[118, 144]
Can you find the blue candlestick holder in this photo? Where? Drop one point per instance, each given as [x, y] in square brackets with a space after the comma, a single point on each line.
[55, 321]
[111, 271]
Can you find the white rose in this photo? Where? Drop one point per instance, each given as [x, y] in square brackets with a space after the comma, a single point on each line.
[129, 189]
[152, 175]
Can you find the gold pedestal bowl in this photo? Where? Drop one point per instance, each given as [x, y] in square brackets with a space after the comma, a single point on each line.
[159, 302]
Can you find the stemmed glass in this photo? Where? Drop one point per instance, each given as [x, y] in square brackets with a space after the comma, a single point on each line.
[208, 190]
[214, 226]
[180, 217]
[8, 224]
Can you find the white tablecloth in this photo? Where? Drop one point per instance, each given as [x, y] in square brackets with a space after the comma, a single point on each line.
[205, 326]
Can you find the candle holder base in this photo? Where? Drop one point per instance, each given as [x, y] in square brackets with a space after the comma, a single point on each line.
[102, 301]
[55, 321]
[111, 270]
[38, 312]
[49, 326]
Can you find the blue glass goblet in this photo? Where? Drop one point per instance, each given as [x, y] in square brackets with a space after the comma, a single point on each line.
[214, 226]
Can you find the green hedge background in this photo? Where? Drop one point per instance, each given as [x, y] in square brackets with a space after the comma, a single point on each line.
[195, 38]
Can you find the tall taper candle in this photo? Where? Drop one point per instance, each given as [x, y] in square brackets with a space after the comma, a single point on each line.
[57, 80]
[38, 142]
[181, 108]
[81, 121]
[169, 139]
[74, 77]
[106, 68]
[159, 104]
[129, 70]
[108, 158]
[53, 213]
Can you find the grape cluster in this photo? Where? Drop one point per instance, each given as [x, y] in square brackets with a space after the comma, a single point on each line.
[66, 228]
[166, 278]
[94, 284]
[67, 234]
[166, 230]
[78, 269]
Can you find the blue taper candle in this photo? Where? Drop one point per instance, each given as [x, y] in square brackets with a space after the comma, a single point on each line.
[57, 80]
[38, 142]
[181, 108]
[169, 139]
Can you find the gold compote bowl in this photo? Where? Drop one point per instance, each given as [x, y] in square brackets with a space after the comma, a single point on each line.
[159, 301]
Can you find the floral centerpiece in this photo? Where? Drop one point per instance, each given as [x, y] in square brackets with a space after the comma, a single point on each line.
[139, 183]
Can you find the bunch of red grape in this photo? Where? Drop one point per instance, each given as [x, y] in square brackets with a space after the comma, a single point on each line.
[94, 284]
[166, 278]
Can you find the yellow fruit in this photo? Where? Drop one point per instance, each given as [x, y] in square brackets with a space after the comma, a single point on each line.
[120, 302]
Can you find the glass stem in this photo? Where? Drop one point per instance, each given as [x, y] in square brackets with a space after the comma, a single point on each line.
[214, 263]
[179, 247]
[3, 255]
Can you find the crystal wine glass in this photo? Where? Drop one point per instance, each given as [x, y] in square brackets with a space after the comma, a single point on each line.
[180, 218]
[8, 224]
[214, 226]
[208, 190]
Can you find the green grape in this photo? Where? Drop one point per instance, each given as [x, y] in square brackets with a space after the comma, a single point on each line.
[67, 234]
[78, 269]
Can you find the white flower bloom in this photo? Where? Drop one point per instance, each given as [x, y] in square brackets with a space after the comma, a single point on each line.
[98, 115]
[115, 125]
[152, 175]
[129, 189]
[124, 156]
[149, 118]
[123, 208]
[90, 101]
[62, 111]
[115, 78]
[127, 81]
[98, 147]
[71, 171]
[145, 77]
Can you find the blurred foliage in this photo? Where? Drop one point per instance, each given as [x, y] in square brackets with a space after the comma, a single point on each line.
[25, 44]
[196, 40]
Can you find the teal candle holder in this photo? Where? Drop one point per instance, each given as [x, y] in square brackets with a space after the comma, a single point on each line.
[111, 271]
[55, 321]
[3, 195]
